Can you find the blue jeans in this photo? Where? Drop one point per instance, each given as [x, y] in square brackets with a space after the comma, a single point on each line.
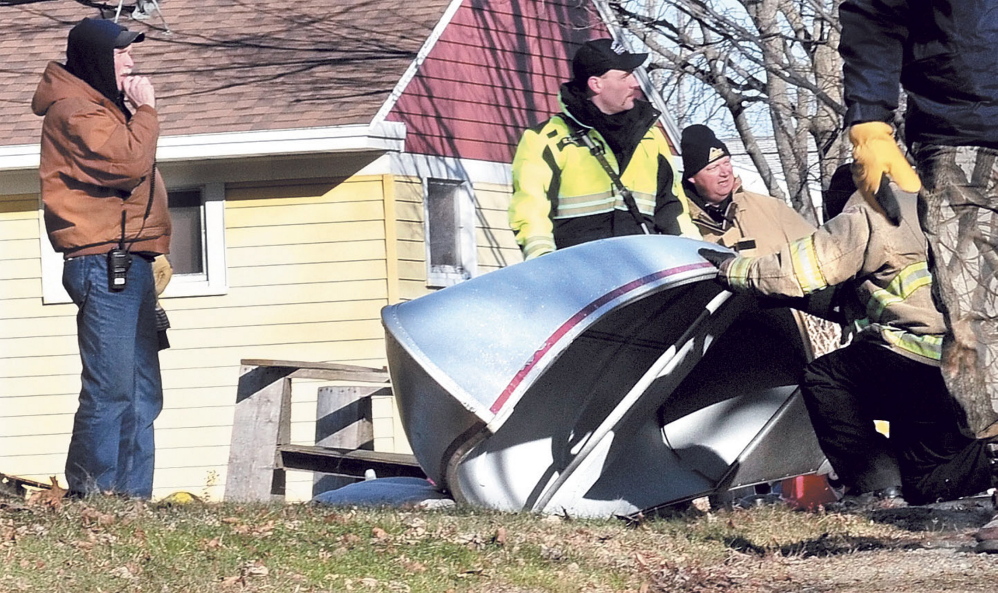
[112, 448]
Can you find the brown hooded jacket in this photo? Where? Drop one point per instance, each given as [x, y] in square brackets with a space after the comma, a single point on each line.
[96, 165]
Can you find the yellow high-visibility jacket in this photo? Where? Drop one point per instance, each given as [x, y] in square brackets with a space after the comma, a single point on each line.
[883, 265]
[562, 196]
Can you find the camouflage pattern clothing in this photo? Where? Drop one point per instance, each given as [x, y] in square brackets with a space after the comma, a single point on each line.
[958, 211]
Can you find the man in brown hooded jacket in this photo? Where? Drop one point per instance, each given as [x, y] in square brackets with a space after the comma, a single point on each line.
[106, 211]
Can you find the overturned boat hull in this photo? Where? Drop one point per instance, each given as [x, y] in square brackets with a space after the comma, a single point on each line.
[604, 379]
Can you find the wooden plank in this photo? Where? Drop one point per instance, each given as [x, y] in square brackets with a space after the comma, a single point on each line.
[329, 371]
[23, 395]
[35, 366]
[412, 270]
[343, 420]
[431, 142]
[391, 237]
[262, 421]
[349, 462]
[409, 212]
[16, 205]
[262, 400]
[65, 344]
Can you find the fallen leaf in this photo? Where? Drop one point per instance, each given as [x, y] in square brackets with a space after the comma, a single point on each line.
[255, 569]
[379, 533]
[50, 497]
[92, 517]
[123, 572]
[230, 581]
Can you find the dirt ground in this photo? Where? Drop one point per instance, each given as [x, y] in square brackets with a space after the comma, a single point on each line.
[939, 556]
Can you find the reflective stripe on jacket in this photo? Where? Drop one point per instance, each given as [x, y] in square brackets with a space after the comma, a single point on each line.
[563, 196]
[884, 265]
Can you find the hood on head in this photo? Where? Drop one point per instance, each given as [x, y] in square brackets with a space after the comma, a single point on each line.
[90, 54]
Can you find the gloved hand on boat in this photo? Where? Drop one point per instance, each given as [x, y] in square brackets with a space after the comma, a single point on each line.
[714, 256]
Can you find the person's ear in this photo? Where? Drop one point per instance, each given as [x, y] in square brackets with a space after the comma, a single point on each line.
[595, 84]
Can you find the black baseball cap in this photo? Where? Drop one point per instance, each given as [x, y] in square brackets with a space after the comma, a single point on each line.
[126, 38]
[598, 56]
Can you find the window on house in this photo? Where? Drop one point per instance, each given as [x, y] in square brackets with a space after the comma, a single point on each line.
[450, 232]
[187, 252]
[197, 243]
[197, 246]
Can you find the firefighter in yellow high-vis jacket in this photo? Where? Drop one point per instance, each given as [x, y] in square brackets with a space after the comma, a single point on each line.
[563, 194]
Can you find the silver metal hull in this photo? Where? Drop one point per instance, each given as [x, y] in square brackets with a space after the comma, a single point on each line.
[603, 379]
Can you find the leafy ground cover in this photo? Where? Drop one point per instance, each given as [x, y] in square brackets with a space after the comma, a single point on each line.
[106, 544]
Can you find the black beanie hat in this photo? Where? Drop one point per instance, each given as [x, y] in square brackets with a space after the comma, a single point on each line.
[700, 147]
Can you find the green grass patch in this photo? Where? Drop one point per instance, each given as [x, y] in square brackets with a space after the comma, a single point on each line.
[107, 544]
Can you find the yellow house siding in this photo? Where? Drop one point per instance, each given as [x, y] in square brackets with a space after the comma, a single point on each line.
[496, 242]
[307, 277]
[39, 367]
[409, 230]
[309, 267]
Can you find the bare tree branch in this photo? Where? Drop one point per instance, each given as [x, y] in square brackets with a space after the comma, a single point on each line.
[777, 59]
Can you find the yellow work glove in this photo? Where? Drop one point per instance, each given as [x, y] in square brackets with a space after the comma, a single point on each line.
[876, 157]
[162, 271]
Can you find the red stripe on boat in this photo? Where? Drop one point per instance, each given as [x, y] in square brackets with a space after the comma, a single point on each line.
[576, 319]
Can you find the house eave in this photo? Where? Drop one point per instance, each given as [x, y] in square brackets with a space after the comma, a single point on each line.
[375, 138]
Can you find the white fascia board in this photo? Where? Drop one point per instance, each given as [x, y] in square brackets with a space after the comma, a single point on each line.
[384, 136]
[19, 157]
[426, 166]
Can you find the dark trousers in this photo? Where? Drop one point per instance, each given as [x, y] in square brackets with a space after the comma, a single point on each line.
[928, 452]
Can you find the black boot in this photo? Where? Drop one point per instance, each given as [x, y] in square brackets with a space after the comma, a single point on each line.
[987, 536]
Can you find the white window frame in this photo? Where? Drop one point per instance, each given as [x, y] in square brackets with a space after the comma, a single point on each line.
[214, 280]
[437, 277]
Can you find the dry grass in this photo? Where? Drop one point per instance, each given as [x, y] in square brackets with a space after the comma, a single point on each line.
[117, 545]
